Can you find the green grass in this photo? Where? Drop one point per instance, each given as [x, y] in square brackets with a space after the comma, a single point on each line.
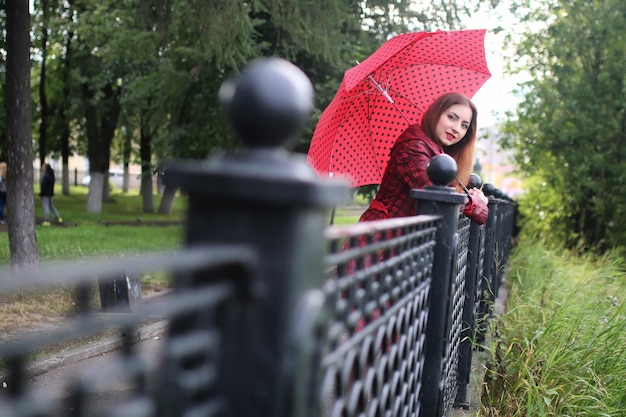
[85, 236]
[346, 220]
[562, 350]
[344, 217]
[88, 235]
[91, 237]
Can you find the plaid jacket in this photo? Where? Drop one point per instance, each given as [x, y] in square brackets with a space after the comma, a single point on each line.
[406, 171]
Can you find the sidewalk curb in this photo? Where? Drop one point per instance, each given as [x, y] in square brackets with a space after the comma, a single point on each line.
[90, 350]
[96, 348]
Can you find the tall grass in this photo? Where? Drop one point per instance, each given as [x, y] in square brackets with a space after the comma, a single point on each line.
[562, 344]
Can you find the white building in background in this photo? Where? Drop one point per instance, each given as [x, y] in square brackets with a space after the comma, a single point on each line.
[495, 163]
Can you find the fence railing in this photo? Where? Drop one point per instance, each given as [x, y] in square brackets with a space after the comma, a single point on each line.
[274, 313]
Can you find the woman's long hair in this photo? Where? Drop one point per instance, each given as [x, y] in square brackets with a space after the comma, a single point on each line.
[463, 151]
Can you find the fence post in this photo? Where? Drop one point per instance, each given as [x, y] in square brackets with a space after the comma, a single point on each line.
[445, 201]
[272, 200]
[503, 232]
[470, 309]
[489, 271]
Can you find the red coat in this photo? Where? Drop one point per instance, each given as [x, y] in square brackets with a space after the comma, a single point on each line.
[406, 170]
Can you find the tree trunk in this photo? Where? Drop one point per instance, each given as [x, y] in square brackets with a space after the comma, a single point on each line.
[101, 126]
[145, 151]
[126, 155]
[43, 98]
[126, 179]
[65, 135]
[94, 198]
[65, 156]
[147, 193]
[20, 192]
[106, 188]
[167, 202]
[96, 187]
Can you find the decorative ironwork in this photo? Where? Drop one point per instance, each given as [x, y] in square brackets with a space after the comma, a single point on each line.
[187, 378]
[373, 333]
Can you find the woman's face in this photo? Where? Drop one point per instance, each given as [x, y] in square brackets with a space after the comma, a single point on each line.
[453, 124]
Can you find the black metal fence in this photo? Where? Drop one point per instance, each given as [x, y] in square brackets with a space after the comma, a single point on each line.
[273, 312]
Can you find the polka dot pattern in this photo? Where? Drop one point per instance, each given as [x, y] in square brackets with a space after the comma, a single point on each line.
[355, 133]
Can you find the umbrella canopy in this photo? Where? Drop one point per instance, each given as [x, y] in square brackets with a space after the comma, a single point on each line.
[380, 97]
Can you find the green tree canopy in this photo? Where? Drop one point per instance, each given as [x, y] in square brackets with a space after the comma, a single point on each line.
[570, 129]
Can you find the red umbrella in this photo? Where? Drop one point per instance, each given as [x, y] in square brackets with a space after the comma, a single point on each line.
[391, 89]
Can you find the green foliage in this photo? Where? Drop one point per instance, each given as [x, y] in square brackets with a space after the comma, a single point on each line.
[569, 129]
[168, 58]
[385, 17]
[561, 345]
[367, 192]
[342, 218]
[537, 215]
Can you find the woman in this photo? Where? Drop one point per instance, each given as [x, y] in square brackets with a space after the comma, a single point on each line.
[448, 125]
[46, 192]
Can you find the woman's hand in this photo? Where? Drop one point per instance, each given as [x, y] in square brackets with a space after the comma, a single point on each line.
[476, 193]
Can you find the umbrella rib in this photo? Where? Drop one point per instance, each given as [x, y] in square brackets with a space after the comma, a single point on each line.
[405, 98]
[363, 93]
[385, 94]
[373, 146]
[347, 116]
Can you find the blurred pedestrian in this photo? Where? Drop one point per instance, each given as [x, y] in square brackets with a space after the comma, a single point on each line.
[46, 192]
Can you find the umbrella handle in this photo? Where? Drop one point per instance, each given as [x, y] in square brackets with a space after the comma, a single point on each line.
[380, 88]
[464, 187]
[388, 97]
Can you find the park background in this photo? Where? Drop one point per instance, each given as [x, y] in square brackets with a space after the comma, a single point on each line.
[135, 84]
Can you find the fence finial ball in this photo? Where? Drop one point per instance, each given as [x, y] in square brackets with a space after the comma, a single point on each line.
[268, 103]
[489, 189]
[442, 169]
[475, 181]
